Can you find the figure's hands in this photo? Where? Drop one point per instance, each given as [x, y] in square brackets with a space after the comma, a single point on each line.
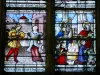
[40, 35]
[28, 50]
[41, 49]
[65, 36]
[85, 51]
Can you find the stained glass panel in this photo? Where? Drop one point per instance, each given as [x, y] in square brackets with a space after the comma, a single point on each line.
[28, 55]
[75, 56]
[75, 24]
[27, 19]
[15, 16]
[75, 3]
[26, 3]
[25, 41]
[75, 28]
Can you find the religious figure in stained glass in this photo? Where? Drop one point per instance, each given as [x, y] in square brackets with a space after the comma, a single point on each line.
[86, 32]
[34, 45]
[15, 33]
[73, 54]
[75, 24]
[31, 46]
[66, 30]
[61, 53]
[83, 51]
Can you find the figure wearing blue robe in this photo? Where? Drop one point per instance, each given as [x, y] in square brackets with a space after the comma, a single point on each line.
[60, 34]
[82, 57]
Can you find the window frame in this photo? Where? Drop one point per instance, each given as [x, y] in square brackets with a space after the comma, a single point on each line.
[50, 35]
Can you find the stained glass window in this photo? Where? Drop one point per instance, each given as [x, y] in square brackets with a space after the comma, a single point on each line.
[26, 42]
[26, 3]
[75, 33]
[25, 36]
[75, 3]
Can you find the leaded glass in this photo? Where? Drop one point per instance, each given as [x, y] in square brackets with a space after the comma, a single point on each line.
[75, 3]
[75, 24]
[25, 36]
[26, 3]
[75, 33]
[71, 55]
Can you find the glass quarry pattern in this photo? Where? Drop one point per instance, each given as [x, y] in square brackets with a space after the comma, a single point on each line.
[75, 33]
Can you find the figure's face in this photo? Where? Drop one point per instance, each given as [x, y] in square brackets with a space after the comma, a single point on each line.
[63, 45]
[82, 42]
[35, 28]
[63, 29]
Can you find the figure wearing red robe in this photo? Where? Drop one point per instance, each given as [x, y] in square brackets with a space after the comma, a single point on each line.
[34, 45]
[62, 58]
[84, 33]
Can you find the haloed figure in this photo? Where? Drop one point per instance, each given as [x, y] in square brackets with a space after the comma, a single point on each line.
[84, 48]
[72, 53]
[61, 59]
[15, 33]
[86, 32]
[65, 31]
[35, 45]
